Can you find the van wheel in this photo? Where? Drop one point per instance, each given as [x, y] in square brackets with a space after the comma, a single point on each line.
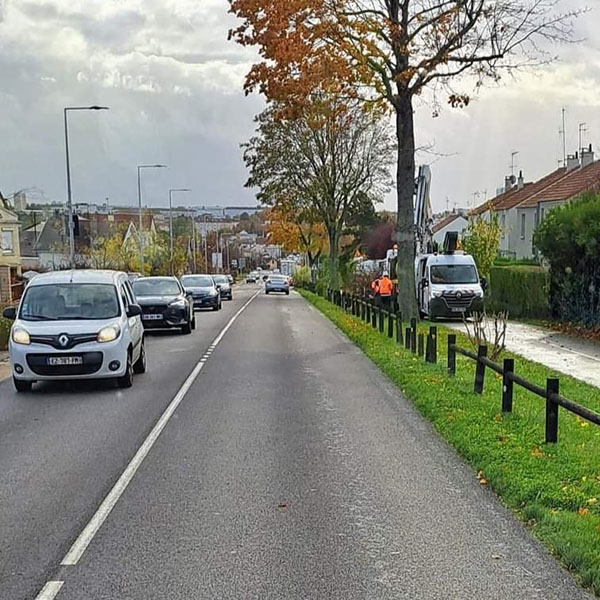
[126, 381]
[22, 385]
[140, 365]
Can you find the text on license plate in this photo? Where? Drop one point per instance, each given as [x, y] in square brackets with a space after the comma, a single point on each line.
[152, 317]
[61, 361]
[458, 309]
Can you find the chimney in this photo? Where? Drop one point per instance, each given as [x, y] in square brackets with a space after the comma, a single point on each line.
[587, 156]
[572, 161]
[509, 181]
[520, 182]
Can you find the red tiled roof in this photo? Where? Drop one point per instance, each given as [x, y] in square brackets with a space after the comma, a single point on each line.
[445, 222]
[573, 184]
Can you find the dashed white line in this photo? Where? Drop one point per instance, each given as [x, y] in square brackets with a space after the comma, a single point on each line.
[50, 590]
[85, 537]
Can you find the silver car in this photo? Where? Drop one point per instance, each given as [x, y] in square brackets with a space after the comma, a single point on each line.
[277, 283]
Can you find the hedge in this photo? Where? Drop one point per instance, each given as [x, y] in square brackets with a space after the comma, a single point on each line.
[521, 290]
[5, 326]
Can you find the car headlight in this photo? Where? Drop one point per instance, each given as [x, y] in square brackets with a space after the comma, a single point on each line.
[20, 336]
[177, 304]
[213, 293]
[109, 334]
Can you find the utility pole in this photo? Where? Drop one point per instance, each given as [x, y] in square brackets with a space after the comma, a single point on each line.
[194, 240]
[206, 245]
[69, 191]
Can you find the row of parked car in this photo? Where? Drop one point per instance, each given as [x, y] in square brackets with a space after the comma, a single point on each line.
[90, 324]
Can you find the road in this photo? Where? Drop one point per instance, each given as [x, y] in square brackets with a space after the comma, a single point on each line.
[290, 469]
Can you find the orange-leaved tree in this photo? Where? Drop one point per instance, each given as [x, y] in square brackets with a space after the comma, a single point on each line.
[297, 232]
[387, 53]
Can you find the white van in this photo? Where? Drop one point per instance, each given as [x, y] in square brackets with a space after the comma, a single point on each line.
[76, 325]
[448, 285]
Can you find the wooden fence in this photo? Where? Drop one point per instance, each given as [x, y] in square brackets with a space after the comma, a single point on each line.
[389, 322]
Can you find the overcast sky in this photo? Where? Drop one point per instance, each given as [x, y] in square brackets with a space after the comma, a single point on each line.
[173, 84]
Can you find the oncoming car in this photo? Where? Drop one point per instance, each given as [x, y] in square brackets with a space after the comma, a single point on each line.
[203, 290]
[223, 286]
[277, 283]
[165, 304]
[74, 325]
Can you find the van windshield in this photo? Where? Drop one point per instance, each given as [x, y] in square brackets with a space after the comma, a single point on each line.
[453, 274]
[70, 302]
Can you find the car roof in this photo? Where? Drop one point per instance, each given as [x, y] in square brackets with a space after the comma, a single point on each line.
[196, 275]
[157, 278]
[78, 276]
[451, 259]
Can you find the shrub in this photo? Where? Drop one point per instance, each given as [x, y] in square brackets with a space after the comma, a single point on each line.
[569, 238]
[301, 276]
[5, 326]
[522, 291]
[482, 241]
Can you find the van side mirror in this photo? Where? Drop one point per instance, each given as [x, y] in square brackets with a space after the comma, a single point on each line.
[424, 282]
[484, 283]
[134, 310]
[10, 313]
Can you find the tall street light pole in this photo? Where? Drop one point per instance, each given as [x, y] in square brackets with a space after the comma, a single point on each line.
[139, 186]
[69, 192]
[171, 220]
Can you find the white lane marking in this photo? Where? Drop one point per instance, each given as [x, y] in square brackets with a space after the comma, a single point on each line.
[50, 590]
[85, 537]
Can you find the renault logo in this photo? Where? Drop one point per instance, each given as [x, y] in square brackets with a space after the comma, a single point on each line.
[458, 295]
[63, 340]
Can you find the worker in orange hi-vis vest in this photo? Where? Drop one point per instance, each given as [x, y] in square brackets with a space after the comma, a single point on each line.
[386, 289]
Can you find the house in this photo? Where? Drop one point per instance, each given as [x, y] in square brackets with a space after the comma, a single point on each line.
[10, 256]
[451, 222]
[521, 208]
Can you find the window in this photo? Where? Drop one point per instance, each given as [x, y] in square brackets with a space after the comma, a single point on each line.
[542, 214]
[7, 241]
[125, 298]
[453, 274]
[523, 217]
[503, 224]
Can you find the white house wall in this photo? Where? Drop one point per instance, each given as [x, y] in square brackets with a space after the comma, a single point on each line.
[459, 224]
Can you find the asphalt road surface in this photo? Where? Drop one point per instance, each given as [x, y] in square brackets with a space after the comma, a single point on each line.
[286, 467]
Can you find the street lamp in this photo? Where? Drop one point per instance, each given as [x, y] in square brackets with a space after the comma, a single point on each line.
[140, 167]
[69, 193]
[171, 219]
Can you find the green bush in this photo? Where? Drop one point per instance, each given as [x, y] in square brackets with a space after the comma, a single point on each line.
[5, 326]
[301, 276]
[522, 291]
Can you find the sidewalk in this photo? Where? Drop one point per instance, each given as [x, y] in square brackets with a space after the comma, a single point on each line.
[4, 365]
[572, 356]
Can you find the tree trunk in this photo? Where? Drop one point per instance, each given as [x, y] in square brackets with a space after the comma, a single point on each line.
[334, 283]
[405, 183]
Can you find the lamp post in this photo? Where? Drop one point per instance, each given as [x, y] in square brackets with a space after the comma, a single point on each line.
[69, 192]
[171, 220]
[139, 186]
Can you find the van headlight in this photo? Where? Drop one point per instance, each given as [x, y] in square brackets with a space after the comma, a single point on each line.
[438, 294]
[109, 334]
[20, 336]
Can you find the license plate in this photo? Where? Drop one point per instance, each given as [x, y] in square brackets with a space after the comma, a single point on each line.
[61, 361]
[459, 309]
[152, 317]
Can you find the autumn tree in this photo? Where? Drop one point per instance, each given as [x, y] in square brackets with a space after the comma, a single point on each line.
[388, 53]
[296, 231]
[322, 163]
[482, 240]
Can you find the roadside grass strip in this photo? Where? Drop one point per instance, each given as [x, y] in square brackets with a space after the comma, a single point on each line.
[553, 488]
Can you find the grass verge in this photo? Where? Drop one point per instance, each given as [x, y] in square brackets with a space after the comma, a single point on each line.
[553, 489]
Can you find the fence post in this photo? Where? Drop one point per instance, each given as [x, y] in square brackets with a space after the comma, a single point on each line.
[452, 354]
[433, 348]
[380, 316]
[407, 338]
[374, 317]
[552, 387]
[480, 370]
[421, 344]
[368, 311]
[390, 324]
[413, 335]
[507, 385]
[363, 309]
[399, 339]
